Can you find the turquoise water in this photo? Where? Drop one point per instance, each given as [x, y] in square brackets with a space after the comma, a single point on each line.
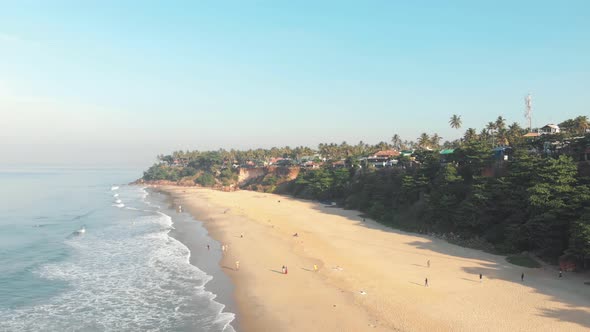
[124, 273]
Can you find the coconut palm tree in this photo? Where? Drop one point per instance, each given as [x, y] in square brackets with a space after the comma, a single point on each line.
[470, 134]
[455, 121]
[502, 136]
[500, 123]
[435, 141]
[408, 145]
[396, 141]
[581, 124]
[491, 126]
[382, 146]
[515, 133]
[424, 141]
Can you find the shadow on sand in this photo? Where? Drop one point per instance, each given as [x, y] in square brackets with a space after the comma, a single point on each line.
[574, 295]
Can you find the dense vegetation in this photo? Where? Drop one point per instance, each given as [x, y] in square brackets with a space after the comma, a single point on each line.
[535, 201]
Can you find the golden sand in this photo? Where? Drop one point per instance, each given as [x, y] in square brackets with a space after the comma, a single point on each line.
[370, 277]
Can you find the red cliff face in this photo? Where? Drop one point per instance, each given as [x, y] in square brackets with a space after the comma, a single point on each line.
[256, 175]
[249, 178]
[182, 183]
[249, 174]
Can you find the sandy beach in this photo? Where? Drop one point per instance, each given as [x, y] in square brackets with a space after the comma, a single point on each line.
[370, 277]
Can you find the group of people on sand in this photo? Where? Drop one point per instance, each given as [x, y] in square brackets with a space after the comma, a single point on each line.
[481, 275]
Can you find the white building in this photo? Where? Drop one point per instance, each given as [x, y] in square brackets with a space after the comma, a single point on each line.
[549, 129]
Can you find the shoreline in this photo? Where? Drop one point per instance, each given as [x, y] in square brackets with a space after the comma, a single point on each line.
[370, 276]
[191, 232]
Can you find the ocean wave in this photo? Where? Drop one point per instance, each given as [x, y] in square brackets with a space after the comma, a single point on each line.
[113, 188]
[45, 225]
[125, 278]
[84, 215]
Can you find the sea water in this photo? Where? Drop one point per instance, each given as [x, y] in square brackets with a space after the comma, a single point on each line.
[82, 251]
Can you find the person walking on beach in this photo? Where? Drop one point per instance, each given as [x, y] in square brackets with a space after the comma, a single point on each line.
[522, 277]
[428, 263]
[283, 269]
[480, 276]
[315, 267]
[286, 269]
[208, 247]
[560, 273]
[241, 234]
[237, 265]
[426, 282]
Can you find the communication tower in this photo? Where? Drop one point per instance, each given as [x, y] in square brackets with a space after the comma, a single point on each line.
[528, 112]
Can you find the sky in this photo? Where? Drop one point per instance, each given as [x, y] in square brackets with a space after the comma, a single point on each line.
[114, 83]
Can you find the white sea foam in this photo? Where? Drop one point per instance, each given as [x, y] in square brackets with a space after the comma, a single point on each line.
[144, 193]
[113, 188]
[118, 201]
[116, 195]
[119, 205]
[125, 278]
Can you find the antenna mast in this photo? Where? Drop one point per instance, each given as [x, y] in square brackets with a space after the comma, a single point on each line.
[528, 113]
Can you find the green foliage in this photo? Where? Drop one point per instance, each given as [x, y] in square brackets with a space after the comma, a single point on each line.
[228, 176]
[377, 211]
[522, 260]
[162, 172]
[580, 237]
[535, 207]
[206, 180]
[473, 157]
[187, 171]
[208, 161]
[536, 201]
[270, 180]
[319, 183]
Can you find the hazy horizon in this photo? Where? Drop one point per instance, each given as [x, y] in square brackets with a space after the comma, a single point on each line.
[113, 84]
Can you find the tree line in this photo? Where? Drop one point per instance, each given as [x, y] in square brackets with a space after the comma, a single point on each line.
[535, 201]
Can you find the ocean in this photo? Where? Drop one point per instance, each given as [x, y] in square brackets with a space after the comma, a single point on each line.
[125, 272]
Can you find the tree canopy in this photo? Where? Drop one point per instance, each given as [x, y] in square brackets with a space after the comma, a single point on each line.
[536, 200]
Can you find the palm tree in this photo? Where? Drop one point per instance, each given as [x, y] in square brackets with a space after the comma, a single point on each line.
[515, 133]
[397, 142]
[581, 124]
[424, 141]
[381, 146]
[491, 126]
[408, 145]
[502, 136]
[360, 148]
[515, 128]
[500, 123]
[435, 140]
[455, 121]
[470, 134]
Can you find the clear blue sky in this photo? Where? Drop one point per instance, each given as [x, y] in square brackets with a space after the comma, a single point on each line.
[112, 83]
